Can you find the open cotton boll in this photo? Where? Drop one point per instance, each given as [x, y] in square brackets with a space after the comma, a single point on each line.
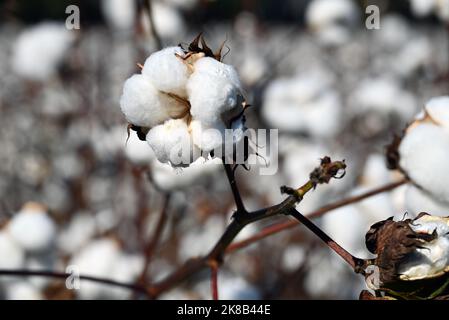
[423, 155]
[212, 92]
[142, 104]
[293, 257]
[322, 14]
[13, 256]
[395, 31]
[431, 258]
[38, 50]
[23, 290]
[417, 201]
[219, 69]
[167, 20]
[120, 14]
[137, 151]
[168, 178]
[415, 54]
[32, 228]
[172, 142]
[207, 138]
[77, 233]
[422, 8]
[126, 270]
[166, 71]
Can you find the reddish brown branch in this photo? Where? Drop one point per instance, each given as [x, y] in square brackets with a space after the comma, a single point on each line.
[214, 279]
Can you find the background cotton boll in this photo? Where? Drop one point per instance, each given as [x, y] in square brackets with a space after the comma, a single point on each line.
[171, 142]
[416, 54]
[97, 258]
[80, 229]
[126, 269]
[138, 151]
[423, 155]
[167, 72]
[293, 257]
[32, 228]
[323, 14]
[13, 256]
[39, 49]
[120, 14]
[167, 20]
[22, 290]
[422, 8]
[438, 110]
[253, 68]
[394, 31]
[418, 201]
[141, 102]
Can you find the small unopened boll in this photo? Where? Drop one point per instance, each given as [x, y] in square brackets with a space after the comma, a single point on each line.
[424, 150]
[32, 228]
[185, 101]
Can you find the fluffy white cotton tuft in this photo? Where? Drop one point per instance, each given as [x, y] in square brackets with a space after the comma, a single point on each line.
[438, 110]
[32, 228]
[423, 155]
[38, 50]
[120, 14]
[166, 71]
[431, 258]
[171, 142]
[137, 150]
[12, 253]
[324, 13]
[141, 103]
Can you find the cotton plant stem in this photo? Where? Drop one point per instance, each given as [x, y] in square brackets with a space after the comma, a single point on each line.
[149, 7]
[322, 174]
[214, 279]
[281, 226]
[235, 191]
[63, 275]
[356, 263]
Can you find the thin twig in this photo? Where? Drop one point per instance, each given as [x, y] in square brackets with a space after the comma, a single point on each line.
[278, 227]
[149, 7]
[63, 275]
[152, 244]
[356, 263]
[214, 279]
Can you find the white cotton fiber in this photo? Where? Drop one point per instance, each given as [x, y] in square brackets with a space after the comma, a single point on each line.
[120, 14]
[216, 68]
[137, 150]
[23, 290]
[207, 138]
[39, 49]
[325, 13]
[171, 142]
[141, 102]
[438, 110]
[166, 71]
[32, 228]
[13, 256]
[424, 153]
[210, 96]
[417, 201]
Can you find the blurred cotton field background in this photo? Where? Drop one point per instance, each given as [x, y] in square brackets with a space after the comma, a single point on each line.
[73, 192]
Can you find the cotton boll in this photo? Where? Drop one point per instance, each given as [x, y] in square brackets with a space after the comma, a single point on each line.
[382, 96]
[142, 104]
[97, 258]
[137, 151]
[415, 54]
[322, 13]
[168, 178]
[422, 8]
[207, 138]
[77, 233]
[39, 49]
[418, 201]
[423, 155]
[13, 256]
[395, 31]
[167, 72]
[171, 142]
[126, 269]
[213, 67]
[211, 95]
[120, 14]
[438, 109]
[32, 228]
[431, 258]
[23, 291]
[253, 68]
[167, 20]
[293, 258]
